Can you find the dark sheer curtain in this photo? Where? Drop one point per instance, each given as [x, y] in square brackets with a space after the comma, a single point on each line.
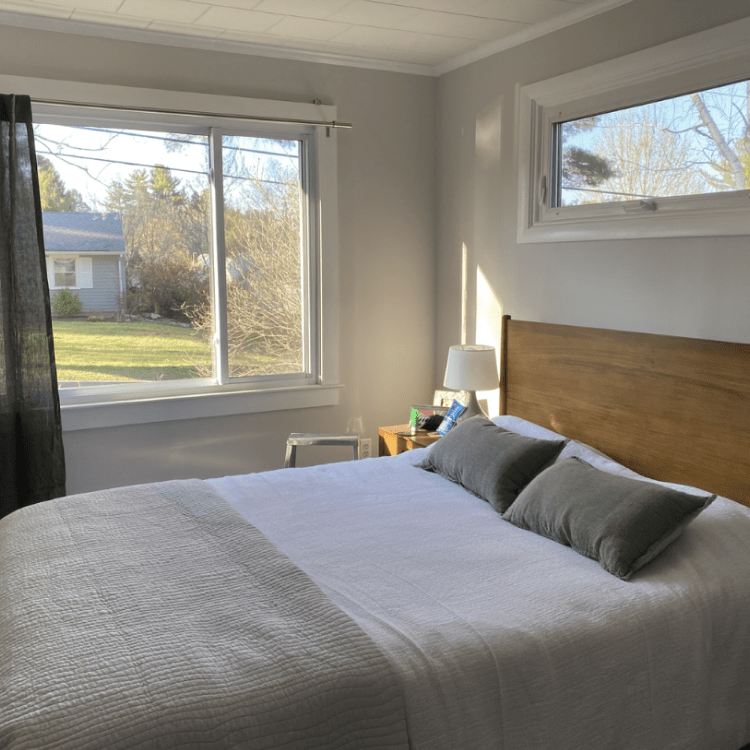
[32, 463]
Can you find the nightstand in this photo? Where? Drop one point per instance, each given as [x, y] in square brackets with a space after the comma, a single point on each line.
[397, 439]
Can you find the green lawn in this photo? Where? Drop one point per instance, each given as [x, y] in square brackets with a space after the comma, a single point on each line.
[87, 350]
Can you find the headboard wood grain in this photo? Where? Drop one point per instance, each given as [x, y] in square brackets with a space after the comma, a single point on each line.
[671, 408]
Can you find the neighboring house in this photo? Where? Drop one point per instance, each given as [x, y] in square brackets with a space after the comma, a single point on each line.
[86, 254]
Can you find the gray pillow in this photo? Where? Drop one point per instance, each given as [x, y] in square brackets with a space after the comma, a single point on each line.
[622, 523]
[488, 461]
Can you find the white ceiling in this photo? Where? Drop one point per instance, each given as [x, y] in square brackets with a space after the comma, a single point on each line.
[422, 36]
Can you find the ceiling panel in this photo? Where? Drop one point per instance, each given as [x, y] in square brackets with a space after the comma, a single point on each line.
[163, 10]
[293, 27]
[367, 13]
[301, 8]
[461, 25]
[234, 19]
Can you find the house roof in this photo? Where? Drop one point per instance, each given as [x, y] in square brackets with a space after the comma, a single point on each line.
[82, 232]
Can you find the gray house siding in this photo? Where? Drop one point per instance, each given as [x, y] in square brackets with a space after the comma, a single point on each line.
[104, 296]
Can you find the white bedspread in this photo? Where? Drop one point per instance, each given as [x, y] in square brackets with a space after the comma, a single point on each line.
[506, 640]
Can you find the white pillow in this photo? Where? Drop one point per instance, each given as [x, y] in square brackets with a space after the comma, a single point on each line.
[574, 448]
[597, 459]
[525, 428]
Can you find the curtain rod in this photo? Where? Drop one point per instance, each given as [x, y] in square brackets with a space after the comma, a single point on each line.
[190, 113]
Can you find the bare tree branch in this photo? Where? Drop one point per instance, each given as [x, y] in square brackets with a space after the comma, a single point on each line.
[717, 137]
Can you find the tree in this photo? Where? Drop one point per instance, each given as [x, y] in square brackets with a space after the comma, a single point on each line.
[651, 159]
[55, 196]
[264, 279]
[166, 239]
[727, 157]
[582, 168]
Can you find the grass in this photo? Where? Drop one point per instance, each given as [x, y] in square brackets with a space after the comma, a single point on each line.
[102, 351]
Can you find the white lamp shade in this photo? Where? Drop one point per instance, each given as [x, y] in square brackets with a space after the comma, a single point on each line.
[471, 368]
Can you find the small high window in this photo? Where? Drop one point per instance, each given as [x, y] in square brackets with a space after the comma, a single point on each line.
[655, 144]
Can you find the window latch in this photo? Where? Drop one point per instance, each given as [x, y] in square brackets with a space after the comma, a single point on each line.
[634, 207]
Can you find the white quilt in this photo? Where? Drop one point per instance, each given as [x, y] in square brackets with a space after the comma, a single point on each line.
[507, 640]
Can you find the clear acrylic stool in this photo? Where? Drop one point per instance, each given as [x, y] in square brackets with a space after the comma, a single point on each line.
[308, 438]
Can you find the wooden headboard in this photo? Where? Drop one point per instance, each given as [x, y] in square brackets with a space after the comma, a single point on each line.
[674, 409]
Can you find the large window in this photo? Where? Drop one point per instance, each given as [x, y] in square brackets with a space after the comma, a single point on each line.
[211, 248]
[656, 144]
[216, 272]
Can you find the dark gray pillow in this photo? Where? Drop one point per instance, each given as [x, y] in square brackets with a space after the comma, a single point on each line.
[488, 461]
[621, 522]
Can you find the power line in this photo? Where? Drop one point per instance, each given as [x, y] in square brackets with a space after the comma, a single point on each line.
[161, 138]
[153, 166]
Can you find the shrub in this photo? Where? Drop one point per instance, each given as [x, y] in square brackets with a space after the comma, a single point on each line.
[66, 304]
[167, 283]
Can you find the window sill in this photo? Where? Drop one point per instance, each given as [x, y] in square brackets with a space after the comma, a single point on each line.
[692, 216]
[194, 406]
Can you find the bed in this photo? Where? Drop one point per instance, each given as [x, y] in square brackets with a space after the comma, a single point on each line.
[378, 604]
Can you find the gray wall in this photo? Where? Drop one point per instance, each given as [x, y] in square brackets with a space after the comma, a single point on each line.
[387, 265]
[694, 287]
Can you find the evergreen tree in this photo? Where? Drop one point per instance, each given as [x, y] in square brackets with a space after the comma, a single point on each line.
[55, 196]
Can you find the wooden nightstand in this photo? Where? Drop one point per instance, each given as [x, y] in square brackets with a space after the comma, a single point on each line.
[397, 439]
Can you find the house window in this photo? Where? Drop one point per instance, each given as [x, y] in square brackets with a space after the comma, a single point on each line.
[224, 267]
[65, 273]
[656, 144]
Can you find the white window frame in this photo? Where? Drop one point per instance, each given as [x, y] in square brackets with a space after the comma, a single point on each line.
[83, 270]
[64, 259]
[705, 60]
[105, 406]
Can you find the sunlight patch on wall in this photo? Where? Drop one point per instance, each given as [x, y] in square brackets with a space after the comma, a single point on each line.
[464, 292]
[487, 134]
[488, 325]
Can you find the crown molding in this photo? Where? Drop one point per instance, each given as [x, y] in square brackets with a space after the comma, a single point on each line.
[146, 36]
[534, 32]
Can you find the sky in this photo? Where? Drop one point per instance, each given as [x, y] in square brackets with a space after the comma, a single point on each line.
[90, 159]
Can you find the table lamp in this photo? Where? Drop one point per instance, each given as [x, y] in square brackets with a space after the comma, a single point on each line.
[471, 368]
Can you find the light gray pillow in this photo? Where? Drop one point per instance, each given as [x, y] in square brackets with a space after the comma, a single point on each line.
[524, 427]
[488, 461]
[621, 522]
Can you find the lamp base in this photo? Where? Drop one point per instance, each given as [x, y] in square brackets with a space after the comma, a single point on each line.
[473, 409]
